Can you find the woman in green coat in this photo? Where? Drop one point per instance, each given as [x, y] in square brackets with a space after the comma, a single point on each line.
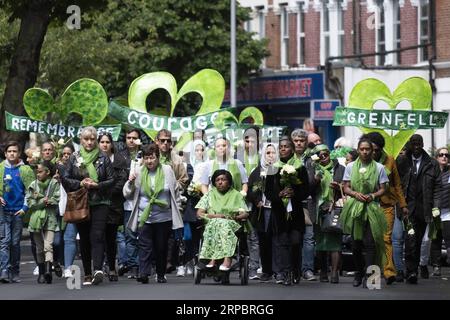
[42, 199]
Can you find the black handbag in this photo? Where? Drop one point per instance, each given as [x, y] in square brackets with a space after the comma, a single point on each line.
[331, 219]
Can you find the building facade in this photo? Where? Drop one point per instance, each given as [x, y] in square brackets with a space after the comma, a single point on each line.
[340, 42]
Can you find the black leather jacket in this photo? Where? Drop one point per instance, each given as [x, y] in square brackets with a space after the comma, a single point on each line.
[71, 178]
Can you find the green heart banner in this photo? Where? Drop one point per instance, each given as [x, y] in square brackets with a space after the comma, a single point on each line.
[389, 119]
[148, 121]
[17, 123]
[415, 91]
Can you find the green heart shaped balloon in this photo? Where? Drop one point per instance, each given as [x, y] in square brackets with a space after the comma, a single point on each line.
[85, 97]
[227, 117]
[208, 83]
[415, 90]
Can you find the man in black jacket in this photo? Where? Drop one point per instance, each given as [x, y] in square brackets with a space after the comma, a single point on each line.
[419, 174]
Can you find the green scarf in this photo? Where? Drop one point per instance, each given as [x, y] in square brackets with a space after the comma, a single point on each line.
[88, 161]
[26, 175]
[250, 166]
[355, 213]
[293, 161]
[164, 159]
[326, 193]
[383, 161]
[43, 185]
[228, 203]
[232, 167]
[152, 194]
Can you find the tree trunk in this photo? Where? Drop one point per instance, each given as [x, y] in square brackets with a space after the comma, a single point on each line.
[24, 64]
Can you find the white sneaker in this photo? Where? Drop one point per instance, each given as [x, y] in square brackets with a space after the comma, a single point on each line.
[181, 271]
[259, 271]
[189, 270]
[36, 271]
[68, 273]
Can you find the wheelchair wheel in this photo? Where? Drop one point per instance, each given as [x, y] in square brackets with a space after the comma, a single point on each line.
[243, 271]
[225, 278]
[197, 275]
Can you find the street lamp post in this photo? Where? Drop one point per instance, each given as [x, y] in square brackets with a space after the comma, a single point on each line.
[233, 54]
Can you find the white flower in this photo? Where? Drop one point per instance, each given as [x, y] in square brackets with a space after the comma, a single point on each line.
[315, 157]
[263, 174]
[242, 210]
[137, 142]
[61, 142]
[363, 170]
[36, 155]
[287, 168]
[244, 194]
[80, 161]
[436, 212]
[411, 232]
[8, 177]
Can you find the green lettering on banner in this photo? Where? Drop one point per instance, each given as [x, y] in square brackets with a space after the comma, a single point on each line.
[18, 123]
[389, 119]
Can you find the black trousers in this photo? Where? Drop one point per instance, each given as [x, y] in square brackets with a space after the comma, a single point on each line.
[92, 239]
[193, 245]
[284, 259]
[265, 252]
[111, 245]
[367, 244]
[153, 243]
[413, 244]
[446, 233]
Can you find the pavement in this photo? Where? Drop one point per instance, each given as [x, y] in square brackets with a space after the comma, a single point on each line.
[183, 288]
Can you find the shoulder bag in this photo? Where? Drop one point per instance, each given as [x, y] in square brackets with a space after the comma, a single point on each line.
[77, 207]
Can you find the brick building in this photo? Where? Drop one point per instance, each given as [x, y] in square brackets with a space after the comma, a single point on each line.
[304, 34]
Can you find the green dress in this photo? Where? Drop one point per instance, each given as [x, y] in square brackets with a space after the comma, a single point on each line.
[219, 239]
[326, 241]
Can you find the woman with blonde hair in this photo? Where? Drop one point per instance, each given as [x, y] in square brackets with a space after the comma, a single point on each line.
[90, 168]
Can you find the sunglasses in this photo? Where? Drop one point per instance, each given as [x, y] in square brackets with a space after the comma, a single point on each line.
[165, 140]
[440, 155]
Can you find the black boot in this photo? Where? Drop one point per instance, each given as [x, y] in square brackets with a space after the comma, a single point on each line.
[400, 277]
[48, 272]
[41, 267]
[358, 279]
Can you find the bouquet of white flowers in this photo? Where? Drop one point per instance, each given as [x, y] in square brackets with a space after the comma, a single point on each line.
[288, 179]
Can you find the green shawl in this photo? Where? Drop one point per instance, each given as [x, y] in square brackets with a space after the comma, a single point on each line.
[294, 161]
[88, 161]
[233, 168]
[355, 213]
[227, 204]
[26, 175]
[152, 194]
[326, 193]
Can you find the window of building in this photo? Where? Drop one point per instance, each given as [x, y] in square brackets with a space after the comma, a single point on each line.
[381, 32]
[341, 32]
[424, 30]
[326, 29]
[261, 23]
[284, 36]
[397, 32]
[301, 34]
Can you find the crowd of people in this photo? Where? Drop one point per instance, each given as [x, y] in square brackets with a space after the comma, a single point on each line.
[155, 209]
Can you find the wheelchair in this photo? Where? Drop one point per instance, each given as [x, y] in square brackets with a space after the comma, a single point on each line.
[239, 262]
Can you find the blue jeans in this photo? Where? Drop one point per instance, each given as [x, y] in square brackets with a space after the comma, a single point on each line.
[308, 249]
[70, 244]
[398, 241]
[131, 243]
[10, 234]
[122, 248]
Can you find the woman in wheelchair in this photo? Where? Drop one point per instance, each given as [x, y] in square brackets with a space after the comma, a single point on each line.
[222, 207]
